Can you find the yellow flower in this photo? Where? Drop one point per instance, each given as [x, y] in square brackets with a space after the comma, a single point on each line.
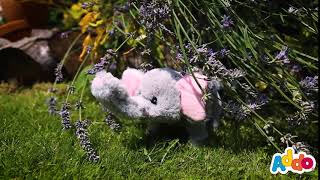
[76, 7]
[100, 32]
[76, 11]
[87, 19]
[88, 41]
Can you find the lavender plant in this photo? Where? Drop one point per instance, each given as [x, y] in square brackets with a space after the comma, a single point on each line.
[153, 14]
[58, 73]
[248, 46]
[52, 103]
[111, 122]
[226, 21]
[65, 116]
[83, 136]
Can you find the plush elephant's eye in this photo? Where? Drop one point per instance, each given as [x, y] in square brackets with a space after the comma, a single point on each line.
[154, 100]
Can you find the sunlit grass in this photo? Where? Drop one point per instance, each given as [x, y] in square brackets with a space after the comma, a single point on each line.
[33, 145]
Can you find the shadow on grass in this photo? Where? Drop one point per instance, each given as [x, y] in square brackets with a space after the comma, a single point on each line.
[232, 136]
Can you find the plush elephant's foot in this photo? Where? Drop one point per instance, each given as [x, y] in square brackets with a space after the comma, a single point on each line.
[150, 140]
[152, 132]
[198, 133]
[165, 132]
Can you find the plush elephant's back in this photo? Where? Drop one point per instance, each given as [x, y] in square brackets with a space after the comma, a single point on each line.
[174, 74]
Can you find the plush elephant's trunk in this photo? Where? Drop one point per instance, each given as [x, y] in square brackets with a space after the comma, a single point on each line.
[113, 95]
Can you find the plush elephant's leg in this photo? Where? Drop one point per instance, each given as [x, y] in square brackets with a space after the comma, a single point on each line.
[198, 133]
[152, 128]
[152, 132]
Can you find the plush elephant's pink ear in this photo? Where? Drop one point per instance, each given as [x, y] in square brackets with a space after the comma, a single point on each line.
[191, 96]
[131, 79]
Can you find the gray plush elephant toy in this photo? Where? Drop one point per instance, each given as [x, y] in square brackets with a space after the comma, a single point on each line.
[160, 96]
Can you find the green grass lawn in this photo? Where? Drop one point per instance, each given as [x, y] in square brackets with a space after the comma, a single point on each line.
[33, 145]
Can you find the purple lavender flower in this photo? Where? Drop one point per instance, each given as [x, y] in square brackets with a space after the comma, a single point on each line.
[179, 56]
[287, 138]
[295, 68]
[301, 117]
[153, 13]
[111, 122]
[125, 8]
[65, 116]
[282, 56]
[202, 49]
[79, 105]
[308, 106]
[283, 53]
[298, 118]
[111, 32]
[224, 52]
[58, 73]
[103, 62]
[216, 67]
[264, 59]
[146, 51]
[83, 136]
[65, 35]
[188, 47]
[268, 127]
[194, 59]
[98, 67]
[234, 110]
[301, 147]
[310, 83]
[86, 5]
[241, 111]
[235, 73]
[226, 21]
[89, 49]
[211, 54]
[219, 70]
[285, 61]
[111, 52]
[247, 88]
[71, 89]
[292, 10]
[262, 99]
[146, 67]
[163, 27]
[250, 107]
[52, 102]
[208, 60]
